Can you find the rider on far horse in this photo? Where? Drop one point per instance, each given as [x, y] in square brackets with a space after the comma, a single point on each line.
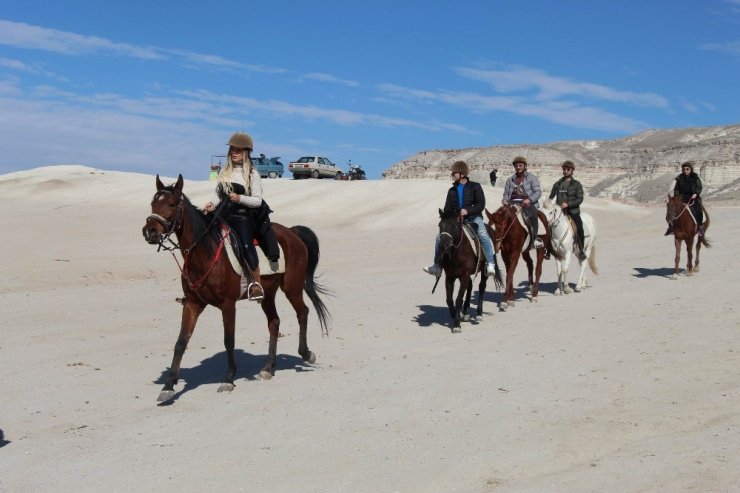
[523, 188]
[568, 194]
[466, 199]
[688, 187]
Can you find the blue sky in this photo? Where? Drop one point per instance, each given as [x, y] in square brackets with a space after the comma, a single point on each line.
[158, 87]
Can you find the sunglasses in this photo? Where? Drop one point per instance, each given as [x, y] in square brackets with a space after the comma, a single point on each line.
[687, 169]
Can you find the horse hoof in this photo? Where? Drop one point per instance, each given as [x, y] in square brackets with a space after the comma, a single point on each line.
[456, 330]
[264, 375]
[690, 273]
[533, 300]
[311, 358]
[578, 289]
[674, 277]
[226, 387]
[166, 395]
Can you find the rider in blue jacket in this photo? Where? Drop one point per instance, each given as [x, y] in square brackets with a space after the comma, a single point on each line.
[467, 199]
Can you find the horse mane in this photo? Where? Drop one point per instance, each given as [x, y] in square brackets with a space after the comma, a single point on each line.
[200, 224]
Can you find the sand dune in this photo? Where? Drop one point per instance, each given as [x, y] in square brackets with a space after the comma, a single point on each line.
[631, 385]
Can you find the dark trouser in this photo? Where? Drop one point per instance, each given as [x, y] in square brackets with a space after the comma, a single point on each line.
[242, 226]
[579, 229]
[531, 212]
[697, 212]
[265, 234]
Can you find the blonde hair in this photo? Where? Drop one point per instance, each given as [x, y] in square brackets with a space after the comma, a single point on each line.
[224, 177]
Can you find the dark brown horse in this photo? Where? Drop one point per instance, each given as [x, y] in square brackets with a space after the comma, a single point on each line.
[684, 229]
[509, 237]
[460, 261]
[208, 278]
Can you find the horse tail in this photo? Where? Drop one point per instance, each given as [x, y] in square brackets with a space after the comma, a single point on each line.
[312, 288]
[592, 259]
[704, 241]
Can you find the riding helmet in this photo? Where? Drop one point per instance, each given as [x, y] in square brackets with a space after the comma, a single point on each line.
[241, 140]
[460, 167]
[519, 159]
[688, 164]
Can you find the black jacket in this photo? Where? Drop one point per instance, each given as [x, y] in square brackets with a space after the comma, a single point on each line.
[474, 200]
[686, 186]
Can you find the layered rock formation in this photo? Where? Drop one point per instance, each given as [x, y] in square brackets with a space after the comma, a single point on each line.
[639, 168]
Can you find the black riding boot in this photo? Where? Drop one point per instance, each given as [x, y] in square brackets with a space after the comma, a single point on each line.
[242, 225]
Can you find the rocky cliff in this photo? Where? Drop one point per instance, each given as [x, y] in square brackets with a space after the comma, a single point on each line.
[637, 168]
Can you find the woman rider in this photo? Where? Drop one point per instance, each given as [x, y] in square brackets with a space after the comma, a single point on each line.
[240, 184]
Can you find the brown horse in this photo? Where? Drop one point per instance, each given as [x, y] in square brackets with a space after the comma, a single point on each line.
[509, 237]
[684, 229]
[208, 278]
[460, 260]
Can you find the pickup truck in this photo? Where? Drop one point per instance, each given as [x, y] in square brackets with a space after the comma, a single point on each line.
[314, 167]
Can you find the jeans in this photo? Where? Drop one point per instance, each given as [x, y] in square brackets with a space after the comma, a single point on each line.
[485, 241]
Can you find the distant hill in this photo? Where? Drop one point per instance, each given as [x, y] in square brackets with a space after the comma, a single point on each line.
[639, 168]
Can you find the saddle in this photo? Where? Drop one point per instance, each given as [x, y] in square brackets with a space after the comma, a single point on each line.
[524, 222]
[234, 255]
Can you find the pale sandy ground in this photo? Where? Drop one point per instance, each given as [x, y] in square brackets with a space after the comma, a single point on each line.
[631, 385]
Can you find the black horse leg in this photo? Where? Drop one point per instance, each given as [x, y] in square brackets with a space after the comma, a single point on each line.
[190, 313]
[481, 292]
[228, 315]
[464, 283]
[449, 288]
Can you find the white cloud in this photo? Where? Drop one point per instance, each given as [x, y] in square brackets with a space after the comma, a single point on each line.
[548, 87]
[731, 47]
[330, 78]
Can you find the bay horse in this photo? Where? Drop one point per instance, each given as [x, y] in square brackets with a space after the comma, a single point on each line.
[208, 278]
[461, 261]
[565, 245]
[685, 228]
[509, 237]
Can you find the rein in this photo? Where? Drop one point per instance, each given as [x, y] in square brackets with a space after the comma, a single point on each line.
[175, 226]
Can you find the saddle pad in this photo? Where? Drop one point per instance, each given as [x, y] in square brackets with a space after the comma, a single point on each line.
[541, 227]
[263, 262]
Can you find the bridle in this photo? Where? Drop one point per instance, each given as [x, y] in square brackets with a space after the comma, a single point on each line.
[683, 209]
[176, 225]
[169, 226]
[452, 238]
[499, 241]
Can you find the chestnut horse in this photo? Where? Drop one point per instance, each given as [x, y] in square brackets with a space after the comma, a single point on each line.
[684, 228]
[208, 278]
[509, 237]
[460, 260]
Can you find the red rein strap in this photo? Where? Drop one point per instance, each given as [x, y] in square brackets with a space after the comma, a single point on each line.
[200, 282]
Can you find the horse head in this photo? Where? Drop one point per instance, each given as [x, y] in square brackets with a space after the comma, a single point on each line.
[674, 208]
[167, 212]
[500, 222]
[450, 232]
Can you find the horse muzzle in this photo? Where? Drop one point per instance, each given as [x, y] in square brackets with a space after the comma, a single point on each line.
[151, 235]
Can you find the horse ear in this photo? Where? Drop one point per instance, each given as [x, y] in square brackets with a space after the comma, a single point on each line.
[441, 214]
[178, 185]
[160, 185]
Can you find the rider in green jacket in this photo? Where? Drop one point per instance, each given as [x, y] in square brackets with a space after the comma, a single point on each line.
[568, 194]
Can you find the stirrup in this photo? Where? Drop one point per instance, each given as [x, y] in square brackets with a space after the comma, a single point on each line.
[538, 243]
[257, 297]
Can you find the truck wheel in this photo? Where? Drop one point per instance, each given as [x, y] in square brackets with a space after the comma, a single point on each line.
[315, 173]
[338, 176]
[272, 174]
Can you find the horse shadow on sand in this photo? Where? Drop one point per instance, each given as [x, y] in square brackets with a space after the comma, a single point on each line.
[430, 315]
[643, 272]
[212, 370]
[3, 442]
